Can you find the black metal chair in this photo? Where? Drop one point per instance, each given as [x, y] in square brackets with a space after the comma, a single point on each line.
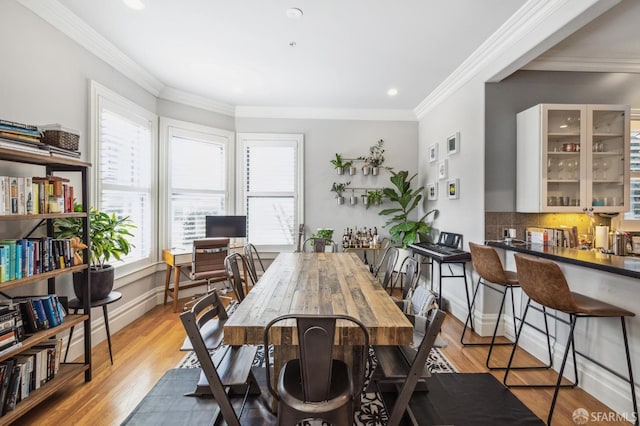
[232, 269]
[543, 281]
[388, 261]
[318, 245]
[230, 366]
[251, 255]
[404, 367]
[315, 385]
[410, 268]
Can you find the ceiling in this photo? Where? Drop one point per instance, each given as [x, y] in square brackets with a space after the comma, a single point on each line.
[347, 54]
[338, 55]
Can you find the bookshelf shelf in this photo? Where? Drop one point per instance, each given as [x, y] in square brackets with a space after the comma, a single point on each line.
[68, 373]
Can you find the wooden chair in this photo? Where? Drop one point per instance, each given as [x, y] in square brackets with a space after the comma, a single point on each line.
[229, 366]
[318, 246]
[210, 318]
[403, 368]
[251, 255]
[315, 385]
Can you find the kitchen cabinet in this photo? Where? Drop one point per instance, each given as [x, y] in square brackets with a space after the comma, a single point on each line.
[573, 158]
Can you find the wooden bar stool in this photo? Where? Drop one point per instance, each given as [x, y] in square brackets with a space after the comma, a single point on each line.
[492, 275]
[544, 283]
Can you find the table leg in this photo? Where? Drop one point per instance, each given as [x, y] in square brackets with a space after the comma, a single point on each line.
[176, 284]
[167, 280]
[106, 326]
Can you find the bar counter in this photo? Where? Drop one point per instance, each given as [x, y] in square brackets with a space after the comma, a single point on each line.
[621, 265]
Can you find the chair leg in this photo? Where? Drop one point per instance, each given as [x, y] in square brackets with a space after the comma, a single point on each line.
[470, 314]
[631, 382]
[495, 331]
[564, 362]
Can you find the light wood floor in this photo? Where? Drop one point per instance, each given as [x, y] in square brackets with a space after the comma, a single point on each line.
[147, 348]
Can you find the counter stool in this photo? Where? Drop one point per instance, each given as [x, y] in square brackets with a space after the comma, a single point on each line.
[492, 275]
[544, 283]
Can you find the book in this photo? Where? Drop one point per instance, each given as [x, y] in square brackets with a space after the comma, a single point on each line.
[13, 185]
[29, 317]
[12, 390]
[50, 311]
[10, 269]
[6, 368]
[16, 125]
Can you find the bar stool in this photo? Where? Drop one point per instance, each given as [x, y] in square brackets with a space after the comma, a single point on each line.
[544, 283]
[492, 275]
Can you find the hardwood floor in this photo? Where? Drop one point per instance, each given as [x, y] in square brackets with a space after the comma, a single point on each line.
[147, 348]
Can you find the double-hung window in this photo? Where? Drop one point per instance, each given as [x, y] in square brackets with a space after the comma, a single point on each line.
[634, 211]
[200, 173]
[124, 166]
[270, 182]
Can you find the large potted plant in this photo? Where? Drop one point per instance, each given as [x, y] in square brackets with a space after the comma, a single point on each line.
[404, 230]
[109, 240]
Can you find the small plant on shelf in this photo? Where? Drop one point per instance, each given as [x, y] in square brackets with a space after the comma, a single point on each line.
[376, 157]
[374, 197]
[339, 189]
[339, 164]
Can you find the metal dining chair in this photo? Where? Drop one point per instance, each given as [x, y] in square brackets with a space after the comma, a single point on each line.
[319, 245]
[251, 255]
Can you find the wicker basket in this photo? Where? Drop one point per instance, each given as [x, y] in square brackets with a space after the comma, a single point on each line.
[61, 139]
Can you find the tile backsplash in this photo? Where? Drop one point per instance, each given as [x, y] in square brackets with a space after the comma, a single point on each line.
[496, 222]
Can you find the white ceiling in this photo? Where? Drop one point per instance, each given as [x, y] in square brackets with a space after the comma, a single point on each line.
[347, 53]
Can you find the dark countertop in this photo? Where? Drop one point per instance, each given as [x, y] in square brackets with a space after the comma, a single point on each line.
[621, 265]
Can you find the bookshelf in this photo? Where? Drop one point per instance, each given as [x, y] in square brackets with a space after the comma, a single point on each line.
[68, 372]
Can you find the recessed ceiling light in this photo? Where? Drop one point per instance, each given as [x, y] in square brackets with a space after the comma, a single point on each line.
[292, 44]
[294, 13]
[135, 4]
[392, 92]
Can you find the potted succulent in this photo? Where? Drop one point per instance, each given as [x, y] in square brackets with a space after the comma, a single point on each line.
[339, 164]
[109, 240]
[403, 230]
[339, 188]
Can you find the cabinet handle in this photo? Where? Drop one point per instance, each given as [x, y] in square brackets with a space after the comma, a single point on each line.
[584, 209]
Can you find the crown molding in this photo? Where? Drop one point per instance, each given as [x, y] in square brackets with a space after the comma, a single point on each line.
[581, 64]
[525, 22]
[326, 113]
[197, 101]
[75, 28]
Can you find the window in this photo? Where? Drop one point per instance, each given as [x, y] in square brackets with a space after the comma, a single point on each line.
[271, 188]
[634, 211]
[124, 166]
[200, 170]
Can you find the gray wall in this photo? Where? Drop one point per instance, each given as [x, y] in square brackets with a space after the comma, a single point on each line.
[524, 89]
[351, 138]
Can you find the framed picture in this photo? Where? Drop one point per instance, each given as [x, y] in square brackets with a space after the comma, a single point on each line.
[432, 191]
[453, 143]
[433, 153]
[442, 169]
[453, 189]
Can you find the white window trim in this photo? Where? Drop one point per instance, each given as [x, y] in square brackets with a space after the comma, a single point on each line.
[99, 95]
[169, 127]
[298, 138]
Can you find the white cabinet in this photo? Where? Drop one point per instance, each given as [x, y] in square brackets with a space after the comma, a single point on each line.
[573, 158]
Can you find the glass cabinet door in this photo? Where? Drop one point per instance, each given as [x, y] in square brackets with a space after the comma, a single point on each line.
[563, 149]
[608, 172]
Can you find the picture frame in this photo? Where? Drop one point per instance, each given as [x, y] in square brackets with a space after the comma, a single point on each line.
[432, 191]
[453, 189]
[433, 153]
[442, 169]
[453, 143]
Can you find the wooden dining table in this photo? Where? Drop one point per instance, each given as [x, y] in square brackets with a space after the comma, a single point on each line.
[319, 283]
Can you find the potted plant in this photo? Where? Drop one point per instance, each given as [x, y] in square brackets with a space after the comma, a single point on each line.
[108, 239]
[403, 230]
[339, 164]
[339, 188]
[376, 157]
[374, 197]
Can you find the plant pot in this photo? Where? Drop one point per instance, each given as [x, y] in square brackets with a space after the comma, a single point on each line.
[353, 170]
[365, 170]
[365, 200]
[101, 283]
[375, 171]
[340, 170]
[353, 200]
[340, 200]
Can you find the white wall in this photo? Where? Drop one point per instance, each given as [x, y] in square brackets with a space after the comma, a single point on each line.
[324, 138]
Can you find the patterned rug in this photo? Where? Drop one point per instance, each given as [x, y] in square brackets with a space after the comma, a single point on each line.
[372, 410]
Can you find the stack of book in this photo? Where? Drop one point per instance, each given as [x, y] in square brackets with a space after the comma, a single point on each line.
[35, 195]
[21, 137]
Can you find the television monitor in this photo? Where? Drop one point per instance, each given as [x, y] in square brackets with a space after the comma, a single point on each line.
[226, 226]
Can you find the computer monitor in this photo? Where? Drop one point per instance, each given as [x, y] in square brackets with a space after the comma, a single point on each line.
[226, 226]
